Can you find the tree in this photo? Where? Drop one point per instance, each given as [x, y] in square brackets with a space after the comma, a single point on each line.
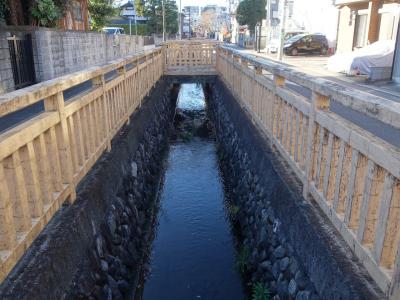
[46, 13]
[152, 9]
[250, 12]
[208, 22]
[100, 11]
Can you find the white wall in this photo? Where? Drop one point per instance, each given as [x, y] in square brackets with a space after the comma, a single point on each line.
[316, 16]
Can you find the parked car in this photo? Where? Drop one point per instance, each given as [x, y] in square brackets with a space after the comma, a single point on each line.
[306, 43]
[378, 55]
[272, 46]
[113, 30]
[289, 34]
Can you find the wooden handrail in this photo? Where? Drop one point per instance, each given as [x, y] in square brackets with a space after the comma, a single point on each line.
[194, 57]
[353, 175]
[44, 158]
[379, 108]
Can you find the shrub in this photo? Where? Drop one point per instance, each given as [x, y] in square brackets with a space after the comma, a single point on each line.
[46, 13]
[259, 291]
[241, 259]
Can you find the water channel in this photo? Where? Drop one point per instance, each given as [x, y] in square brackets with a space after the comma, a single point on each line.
[193, 255]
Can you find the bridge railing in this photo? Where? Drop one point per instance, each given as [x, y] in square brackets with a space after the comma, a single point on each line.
[353, 175]
[194, 57]
[43, 159]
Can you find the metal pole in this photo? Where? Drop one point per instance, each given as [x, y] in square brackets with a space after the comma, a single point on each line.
[180, 19]
[282, 30]
[163, 20]
[130, 26]
[135, 26]
[189, 25]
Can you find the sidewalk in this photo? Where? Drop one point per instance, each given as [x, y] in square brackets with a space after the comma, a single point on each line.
[316, 65]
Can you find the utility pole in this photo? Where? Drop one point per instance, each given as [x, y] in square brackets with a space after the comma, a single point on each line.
[190, 35]
[282, 29]
[163, 20]
[259, 38]
[135, 25]
[180, 19]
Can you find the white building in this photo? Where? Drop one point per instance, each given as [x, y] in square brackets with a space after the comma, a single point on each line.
[309, 15]
[128, 11]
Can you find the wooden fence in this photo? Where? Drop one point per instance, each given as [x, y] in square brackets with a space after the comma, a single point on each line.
[43, 159]
[195, 57]
[353, 175]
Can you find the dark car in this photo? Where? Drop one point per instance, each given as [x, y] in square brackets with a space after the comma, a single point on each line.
[306, 43]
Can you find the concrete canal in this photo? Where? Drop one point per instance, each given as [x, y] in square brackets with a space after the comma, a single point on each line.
[193, 254]
[191, 202]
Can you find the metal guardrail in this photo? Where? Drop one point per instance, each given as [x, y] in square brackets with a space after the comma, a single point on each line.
[43, 159]
[352, 175]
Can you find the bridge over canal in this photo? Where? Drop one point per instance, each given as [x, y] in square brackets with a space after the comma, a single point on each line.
[313, 196]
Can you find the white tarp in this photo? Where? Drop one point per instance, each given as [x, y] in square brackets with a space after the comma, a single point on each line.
[378, 54]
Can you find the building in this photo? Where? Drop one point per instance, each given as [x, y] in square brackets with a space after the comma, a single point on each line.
[128, 12]
[191, 19]
[75, 17]
[362, 22]
[396, 61]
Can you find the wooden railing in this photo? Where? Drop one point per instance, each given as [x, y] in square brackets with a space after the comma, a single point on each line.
[195, 57]
[43, 159]
[353, 175]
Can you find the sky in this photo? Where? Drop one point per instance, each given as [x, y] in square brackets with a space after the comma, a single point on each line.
[192, 2]
[203, 2]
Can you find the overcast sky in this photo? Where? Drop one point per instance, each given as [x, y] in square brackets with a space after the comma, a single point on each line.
[191, 2]
[202, 2]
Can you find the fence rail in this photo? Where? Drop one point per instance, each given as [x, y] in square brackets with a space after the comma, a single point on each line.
[195, 57]
[353, 175]
[43, 159]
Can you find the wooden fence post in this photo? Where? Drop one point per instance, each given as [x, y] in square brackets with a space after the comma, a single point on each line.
[318, 102]
[99, 81]
[56, 103]
[394, 292]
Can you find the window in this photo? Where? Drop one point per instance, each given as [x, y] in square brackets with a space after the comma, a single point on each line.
[360, 31]
[387, 26]
[77, 11]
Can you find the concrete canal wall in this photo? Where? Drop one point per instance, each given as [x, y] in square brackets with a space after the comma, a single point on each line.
[94, 247]
[292, 247]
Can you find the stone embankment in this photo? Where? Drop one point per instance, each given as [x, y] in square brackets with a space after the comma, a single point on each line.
[283, 245]
[94, 248]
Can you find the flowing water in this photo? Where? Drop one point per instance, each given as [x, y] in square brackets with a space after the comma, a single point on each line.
[193, 254]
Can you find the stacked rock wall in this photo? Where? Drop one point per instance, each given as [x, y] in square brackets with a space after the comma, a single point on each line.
[291, 249]
[94, 248]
